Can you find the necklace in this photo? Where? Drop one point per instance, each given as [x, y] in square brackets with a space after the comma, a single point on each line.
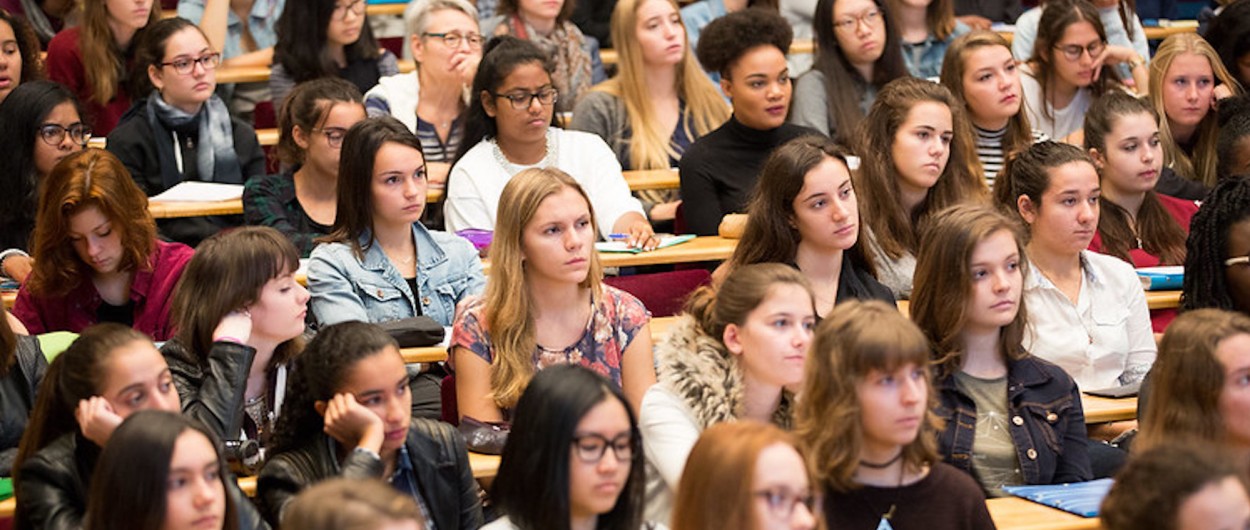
[888, 515]
[883, 465]
[550, 156]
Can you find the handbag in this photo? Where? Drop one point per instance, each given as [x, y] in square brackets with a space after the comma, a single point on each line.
[487, 437]
[415, 332]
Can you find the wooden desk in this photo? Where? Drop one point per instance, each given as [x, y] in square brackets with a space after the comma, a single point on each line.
[702, 248]
[652, 179]
[385, 9]
[483, 466]
[428, 354]
[1163, 299]
[1014, 513]
[166, 210]
[1102, 410]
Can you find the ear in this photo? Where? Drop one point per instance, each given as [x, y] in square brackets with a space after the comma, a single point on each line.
[301, 137]
[321, 407]
[1027, 209]
[732, 337]
[1099, 161]
[418, 50]
[154, 75]
[726, 88]
[488, 103]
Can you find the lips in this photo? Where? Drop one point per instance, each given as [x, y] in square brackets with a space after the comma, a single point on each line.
[1009, 98]
[776, 110]
[208, 521]
[6, 82]
[846, 230]
[607, 487]
[1004, 304]
[397, 435]
[576, 261]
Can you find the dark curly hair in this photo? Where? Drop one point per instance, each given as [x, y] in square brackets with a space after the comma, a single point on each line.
[1234, 129]
[730, 37]
[1229, 34]
[1204, 284]
[27, 46]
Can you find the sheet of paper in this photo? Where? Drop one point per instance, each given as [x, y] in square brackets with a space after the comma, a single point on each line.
[200, 192]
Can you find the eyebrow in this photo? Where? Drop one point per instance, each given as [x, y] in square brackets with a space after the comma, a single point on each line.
[1013, 255]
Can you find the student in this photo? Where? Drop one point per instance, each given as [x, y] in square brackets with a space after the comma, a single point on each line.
[566, 423]
[857, 53]
[731, 356]
[45, 17]
[379, 263]
[805, 214]
[1187, 82]
[240, 315]
[698, 14]
[93, 58]
[164, 471]
[716, 495]
[573, 58]
[1228, 34]
[865, 417]
[352, 504]
[545, 303]
[658, 104]
[917, 153]
[1177, 487]
[1053, 189]
[245, 31]
[981, 14]
[1118, 17]
[748, 48]
[179, 130]
[1071, 64]
[301, 201]
[98, 254]
[19, 54]
[109, 372]
[1232, 147]
[926, 28]
[53, 115]
[969, 281]
[22, 368]
[327, 38]
[349, 415]
[509, 130]
[1219, 237]
[981, 73]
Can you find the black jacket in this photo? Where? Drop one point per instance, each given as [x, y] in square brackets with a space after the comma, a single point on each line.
[17, 397]
[213, 396]
[438, 457]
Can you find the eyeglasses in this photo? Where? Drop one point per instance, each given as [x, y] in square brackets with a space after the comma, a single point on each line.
[334, 136]
[355, 7]
[782, 501]
[1072, 52]
[186, 65]
[590, 448]
[54, 134]
[869, 18]
[452, 40]
[523, 100]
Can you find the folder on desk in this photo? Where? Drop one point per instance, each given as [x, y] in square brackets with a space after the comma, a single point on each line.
[1079, 498]
[623, 247]
[1162, 278]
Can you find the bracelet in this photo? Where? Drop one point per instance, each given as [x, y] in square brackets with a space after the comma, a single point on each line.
[1135, 62]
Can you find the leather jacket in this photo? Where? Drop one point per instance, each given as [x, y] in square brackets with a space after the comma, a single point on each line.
[213, 395]
[17, 397]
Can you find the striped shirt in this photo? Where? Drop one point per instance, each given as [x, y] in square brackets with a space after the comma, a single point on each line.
[990, 150]
[434, 148]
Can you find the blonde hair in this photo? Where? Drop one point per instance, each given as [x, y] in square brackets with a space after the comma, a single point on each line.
[509, 315]
[1201, 166]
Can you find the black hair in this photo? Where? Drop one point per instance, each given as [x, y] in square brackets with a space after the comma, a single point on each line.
[1227, 204]
[151, 51]
[1229, 34]
[728, 38]
[301, 45]
[500, 56]
[308, 105]
[129, 485]
[1149, 492]
[316, 375]
[539, 446]
[1234, 129]
[27, 46]
[843, 84]
[21, 114]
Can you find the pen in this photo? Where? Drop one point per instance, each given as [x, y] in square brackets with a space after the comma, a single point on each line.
[618, 237]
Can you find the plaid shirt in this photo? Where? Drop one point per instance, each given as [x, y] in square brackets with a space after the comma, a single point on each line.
[270, 201]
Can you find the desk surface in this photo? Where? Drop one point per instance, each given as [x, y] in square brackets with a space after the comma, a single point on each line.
[1102, 410]
[702, 248]
[165, 210]
[1014, 513]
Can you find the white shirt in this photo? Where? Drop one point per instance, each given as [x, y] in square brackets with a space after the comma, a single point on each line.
[1062, 121]
[1105, 339]
[669, 431]
[477, 181]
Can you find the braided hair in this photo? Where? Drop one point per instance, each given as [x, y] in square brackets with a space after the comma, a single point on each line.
[1204, 284]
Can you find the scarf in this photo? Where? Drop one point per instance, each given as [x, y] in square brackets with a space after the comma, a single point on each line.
[566, 45]
[215, 159]
[38, 21]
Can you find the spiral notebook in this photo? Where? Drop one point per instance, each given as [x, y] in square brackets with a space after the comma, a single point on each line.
[1079, 498]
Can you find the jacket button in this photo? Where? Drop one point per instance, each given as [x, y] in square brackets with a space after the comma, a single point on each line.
[1032, 454]
[425, 301]
[1052, 417]
[379, 293]
[1017, 420]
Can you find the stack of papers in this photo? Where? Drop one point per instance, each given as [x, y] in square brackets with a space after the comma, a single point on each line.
[194, 191]
[623, 247]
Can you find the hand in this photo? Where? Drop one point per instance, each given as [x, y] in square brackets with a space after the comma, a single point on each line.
[96, 419]
[465, 66]
[975, 21]
[640, 235]
[235, 325]
[665, 211]
[352, 424]
[1112, 54]
[18, 267]
[1220, 92]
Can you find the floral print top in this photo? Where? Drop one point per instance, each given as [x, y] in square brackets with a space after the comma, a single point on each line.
[616, 319]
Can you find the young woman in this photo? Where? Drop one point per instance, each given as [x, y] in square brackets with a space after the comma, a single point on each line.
[730, 356]
[1187, 82]
[968, 301]
[352, 504]
[240, 315]
[698, 14]
[1118, 17]
[41, 125]
[108, 373]
[1053, 189]
[866, 420]
[379, 263]
[164, 471]
[350, 415]
[1071, 64]
[926, 28]
[327, 38]
[94, 58]
[545, 303]
[99, 257]
[857, 53]
[1228, 34]
[509, 130]
[302, 200]
[45, 17]
[19, 54]
[573, 57]
[244, 30]
[805, 214]
[930, 163]
[1216, 275]
[1232, 147]
[716, 495]
[1177, 486]
[179, 129]
[748, 48]
[566, 423]
[981, 73]
[22, 368]
[658, 104]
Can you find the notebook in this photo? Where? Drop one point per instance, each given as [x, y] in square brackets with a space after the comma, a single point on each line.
[666, 240]
[1079, 498]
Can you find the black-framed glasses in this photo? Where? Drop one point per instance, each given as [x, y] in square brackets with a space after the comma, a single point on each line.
[355, 7]
[453, 39]
[782, 501]
[54, 134]
[869, 18]
[1072, 52]
[523, 100]
[185, 65]
[334, 136]
[590, 448]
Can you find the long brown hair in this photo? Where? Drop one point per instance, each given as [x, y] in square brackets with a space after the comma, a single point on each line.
[1027, 173]
[895, 229]
[743, 290]
[8, 344]
[1058, 15]
[844, 85]
[307, 107]
[1157, 231]
[101, 59]
[86, 179]
[1019, 130]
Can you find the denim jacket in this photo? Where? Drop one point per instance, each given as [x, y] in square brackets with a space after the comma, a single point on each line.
[372, 289]
[1047, 423]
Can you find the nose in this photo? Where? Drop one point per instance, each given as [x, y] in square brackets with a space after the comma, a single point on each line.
[1000, 281]
[1191, 92]
[912, 389]
[609, 462]
[205, 493]
[67, 142]
[801, 337]
[572, 240]
[93, 247]
[802, 518]
[301, 294]
[165, 401]
[1088, 212]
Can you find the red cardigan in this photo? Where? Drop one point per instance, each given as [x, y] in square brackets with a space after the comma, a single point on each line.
[150, 290]
[64, 65]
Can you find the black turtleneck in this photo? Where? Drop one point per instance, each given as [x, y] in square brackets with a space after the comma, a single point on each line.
[719, 171]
